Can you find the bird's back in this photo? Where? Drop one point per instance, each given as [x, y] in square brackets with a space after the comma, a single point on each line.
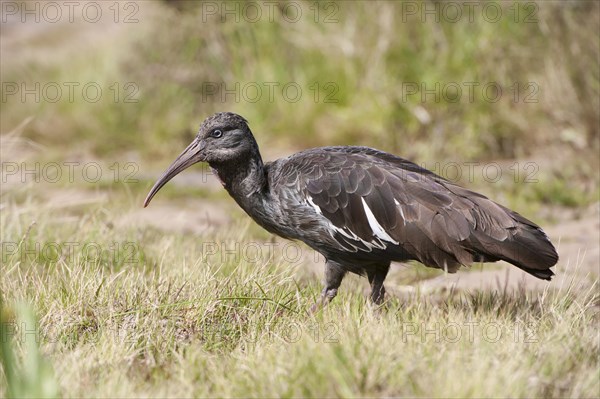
[358, 204]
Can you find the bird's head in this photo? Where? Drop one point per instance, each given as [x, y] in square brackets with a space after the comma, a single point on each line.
[223, 138]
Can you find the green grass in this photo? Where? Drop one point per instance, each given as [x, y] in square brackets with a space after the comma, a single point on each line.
[125, 308]
[165, 318]
[34, 378]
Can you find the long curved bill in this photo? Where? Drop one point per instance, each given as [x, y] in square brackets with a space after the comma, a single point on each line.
[189, 156]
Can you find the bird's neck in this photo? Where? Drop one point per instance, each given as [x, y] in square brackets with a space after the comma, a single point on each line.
[245, 180]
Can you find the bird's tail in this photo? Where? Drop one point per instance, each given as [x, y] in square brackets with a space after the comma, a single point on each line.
[526, 247]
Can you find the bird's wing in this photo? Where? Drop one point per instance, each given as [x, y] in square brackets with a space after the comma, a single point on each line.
[370, 200]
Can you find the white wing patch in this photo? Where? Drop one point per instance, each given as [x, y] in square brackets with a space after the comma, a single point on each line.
[317, 207]
[401, 211]
[346, 232]
[378, 230]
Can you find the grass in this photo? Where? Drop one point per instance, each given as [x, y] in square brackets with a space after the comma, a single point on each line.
[34, 378]
[95, 301]
[166, 317]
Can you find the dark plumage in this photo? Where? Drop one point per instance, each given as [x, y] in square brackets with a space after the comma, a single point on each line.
[362, 208]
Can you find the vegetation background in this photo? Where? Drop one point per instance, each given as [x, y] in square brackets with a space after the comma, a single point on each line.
[188, 297]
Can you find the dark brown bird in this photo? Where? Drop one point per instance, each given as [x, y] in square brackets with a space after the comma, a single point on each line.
[363, 208]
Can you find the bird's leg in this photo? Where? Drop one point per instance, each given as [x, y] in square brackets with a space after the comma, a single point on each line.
[376, 277]
[334, 274]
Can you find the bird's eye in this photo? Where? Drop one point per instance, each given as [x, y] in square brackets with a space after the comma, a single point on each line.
[216, 133]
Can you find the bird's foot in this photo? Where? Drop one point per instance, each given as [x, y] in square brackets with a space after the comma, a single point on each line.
[326, 296]
[378, 294]
[377, 309]
[316, 307]
[377, 301]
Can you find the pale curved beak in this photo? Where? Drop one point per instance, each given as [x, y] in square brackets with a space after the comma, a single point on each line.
[191, 155]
